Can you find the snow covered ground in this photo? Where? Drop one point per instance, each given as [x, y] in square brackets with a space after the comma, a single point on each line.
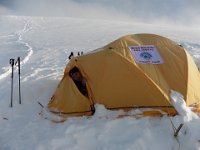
[44, 45]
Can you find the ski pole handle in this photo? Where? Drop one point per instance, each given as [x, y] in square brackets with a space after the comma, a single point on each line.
[12, 62]
[17, 63]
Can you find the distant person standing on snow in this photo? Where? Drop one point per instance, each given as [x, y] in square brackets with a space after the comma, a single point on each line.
[71, 55]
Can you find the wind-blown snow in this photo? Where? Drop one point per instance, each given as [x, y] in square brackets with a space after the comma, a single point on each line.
[44, 45]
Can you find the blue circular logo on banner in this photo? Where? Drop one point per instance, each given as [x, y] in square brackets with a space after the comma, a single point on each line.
[146, 55]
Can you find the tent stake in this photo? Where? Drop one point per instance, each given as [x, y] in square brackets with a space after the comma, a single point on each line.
[177, 131]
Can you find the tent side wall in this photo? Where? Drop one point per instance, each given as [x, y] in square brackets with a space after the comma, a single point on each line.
[124, 85]
[193, 94]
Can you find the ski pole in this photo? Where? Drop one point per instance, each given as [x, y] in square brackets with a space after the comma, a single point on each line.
[18, 64]
[12, 75]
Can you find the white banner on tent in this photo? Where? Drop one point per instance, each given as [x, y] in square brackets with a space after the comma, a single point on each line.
[146, 54]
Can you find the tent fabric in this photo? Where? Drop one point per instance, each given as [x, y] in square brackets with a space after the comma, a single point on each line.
[116, 80]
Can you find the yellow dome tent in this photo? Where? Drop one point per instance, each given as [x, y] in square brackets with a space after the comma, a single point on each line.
[135, 71]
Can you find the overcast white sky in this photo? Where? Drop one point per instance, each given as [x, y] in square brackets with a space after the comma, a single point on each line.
[185, 12]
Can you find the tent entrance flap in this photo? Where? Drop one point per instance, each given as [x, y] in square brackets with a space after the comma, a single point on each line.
[68, 100]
